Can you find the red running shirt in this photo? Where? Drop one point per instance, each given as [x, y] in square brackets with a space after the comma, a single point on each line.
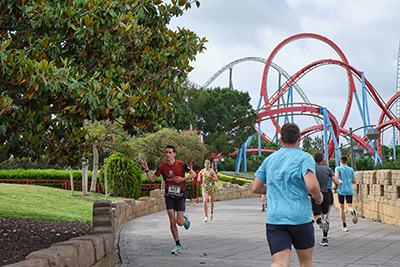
[179, 168]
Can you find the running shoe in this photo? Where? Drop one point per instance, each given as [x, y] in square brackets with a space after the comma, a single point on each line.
[355, 219]
[325, 223]
[345, 229]
[206, 219]
[324, 242]
[176, 250]
[212, 216]
[263, 208]
[187, 222]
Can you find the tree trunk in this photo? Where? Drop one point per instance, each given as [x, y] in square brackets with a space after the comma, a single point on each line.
[95, 169]
[105, 178]
[71, 177]
[85, 169]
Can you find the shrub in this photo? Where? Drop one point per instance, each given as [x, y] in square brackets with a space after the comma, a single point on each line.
[123, 176]
[233, 180]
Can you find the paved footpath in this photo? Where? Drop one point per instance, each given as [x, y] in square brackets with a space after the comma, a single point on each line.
[236, 237]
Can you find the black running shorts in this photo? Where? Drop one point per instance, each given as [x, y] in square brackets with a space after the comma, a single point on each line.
[349, 199]
[175, 203]
[281, 237]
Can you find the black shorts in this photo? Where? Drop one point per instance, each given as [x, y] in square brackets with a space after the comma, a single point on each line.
[349, 199]
[281, 237]
[331, 196]
[175, 203]
[323, 207]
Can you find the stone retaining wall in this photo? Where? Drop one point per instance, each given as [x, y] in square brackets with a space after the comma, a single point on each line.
[377, 196]
[98, 250]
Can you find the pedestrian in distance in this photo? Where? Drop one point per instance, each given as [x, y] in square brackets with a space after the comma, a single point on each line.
[345, 191]
[330, 192]
[173, 172]
[263, 202]
[321, 211]
[287, 177]
[209, 178]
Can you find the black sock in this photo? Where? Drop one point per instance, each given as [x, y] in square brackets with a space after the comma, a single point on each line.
[325, 234]
[178, 243]
[344, 225]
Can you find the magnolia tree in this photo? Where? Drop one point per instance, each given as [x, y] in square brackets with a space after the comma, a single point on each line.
[64, 62]
[151, 147]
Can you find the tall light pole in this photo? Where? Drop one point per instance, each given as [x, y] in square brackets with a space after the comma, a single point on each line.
[372, 134]
[215, 158]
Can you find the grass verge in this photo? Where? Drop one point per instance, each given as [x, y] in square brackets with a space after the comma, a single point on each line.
[42, 202]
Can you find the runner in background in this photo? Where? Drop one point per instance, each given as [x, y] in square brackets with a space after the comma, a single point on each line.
[173, 172]
[263, 202]
[209, 178]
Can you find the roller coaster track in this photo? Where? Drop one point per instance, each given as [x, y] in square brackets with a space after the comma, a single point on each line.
[270, 110]
[261, 60]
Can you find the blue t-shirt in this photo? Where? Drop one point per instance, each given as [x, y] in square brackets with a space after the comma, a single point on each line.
[287, 195]
[346, 174]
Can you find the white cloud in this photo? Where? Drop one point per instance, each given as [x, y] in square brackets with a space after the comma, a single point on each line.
[366, 31]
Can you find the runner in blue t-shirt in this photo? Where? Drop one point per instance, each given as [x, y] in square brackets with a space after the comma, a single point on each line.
[346, 174]
[288, 176]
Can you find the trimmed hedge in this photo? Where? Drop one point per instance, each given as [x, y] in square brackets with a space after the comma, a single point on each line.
[49, 174]
[20, 174]
[233, 180]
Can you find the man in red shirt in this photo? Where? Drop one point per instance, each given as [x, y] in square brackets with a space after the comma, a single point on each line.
[173, 172]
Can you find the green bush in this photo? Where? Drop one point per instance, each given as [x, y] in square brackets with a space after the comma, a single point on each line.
[20, 174]
[123, 176]
[59, 175]
[232, 180]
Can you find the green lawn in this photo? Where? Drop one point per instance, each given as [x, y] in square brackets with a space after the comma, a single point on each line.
[31, 201]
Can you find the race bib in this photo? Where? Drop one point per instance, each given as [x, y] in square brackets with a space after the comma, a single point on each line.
[174, 190]
[207, 185]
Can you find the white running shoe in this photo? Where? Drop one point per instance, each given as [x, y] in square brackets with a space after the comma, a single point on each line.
[206, 219]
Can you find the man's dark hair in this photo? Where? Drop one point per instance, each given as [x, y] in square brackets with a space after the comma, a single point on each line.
[318, 157]
[171, 146]
[290, 132]
[343, 159]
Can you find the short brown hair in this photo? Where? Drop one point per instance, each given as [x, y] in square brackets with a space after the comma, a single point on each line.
[290, 132]
[343, 159]
[318, 157]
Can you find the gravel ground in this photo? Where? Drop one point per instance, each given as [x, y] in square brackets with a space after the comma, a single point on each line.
[19, 236]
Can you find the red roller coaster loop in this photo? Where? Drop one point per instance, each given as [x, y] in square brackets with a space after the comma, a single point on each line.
[352, 87]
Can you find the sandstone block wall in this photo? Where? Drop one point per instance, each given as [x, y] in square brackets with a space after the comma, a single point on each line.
[377, 195]
[98, 250]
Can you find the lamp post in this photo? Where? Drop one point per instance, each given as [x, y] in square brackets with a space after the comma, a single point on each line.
[215, 164]
[372, 134]
[215, 158]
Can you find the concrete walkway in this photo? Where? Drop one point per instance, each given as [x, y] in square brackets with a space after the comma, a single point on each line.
[236, 237]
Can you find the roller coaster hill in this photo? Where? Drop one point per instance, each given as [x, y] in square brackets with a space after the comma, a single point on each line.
[280, 105]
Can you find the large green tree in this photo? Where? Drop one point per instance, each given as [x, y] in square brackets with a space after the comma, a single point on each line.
[225, 116]
[66, 61]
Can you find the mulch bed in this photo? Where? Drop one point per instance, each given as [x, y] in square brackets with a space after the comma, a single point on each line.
[19, 236]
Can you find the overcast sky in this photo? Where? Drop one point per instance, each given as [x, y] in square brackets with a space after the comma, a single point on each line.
[367, 31]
